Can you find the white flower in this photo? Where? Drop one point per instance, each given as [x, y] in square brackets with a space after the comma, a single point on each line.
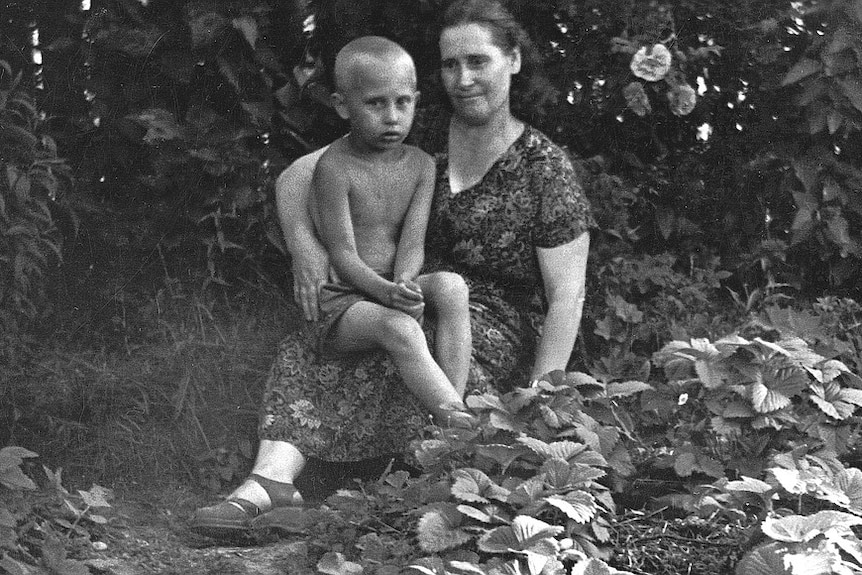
[682, 99]
[651, 63]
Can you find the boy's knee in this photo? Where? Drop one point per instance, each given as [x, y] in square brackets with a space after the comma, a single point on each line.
[450, 287]
[399, 330]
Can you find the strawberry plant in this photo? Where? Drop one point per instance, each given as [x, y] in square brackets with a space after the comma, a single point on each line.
[751, 398]
[39, 524]
[527, 489]
[806, 508]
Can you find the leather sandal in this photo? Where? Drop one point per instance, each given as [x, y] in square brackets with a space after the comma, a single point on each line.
[226, 520]
[237, 517]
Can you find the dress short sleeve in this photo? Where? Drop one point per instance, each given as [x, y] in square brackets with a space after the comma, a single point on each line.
[563, 208]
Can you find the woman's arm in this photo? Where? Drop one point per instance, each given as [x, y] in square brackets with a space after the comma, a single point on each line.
[309, 258]
[564, 272]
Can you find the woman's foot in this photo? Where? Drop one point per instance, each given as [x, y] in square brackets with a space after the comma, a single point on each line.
[245, 509]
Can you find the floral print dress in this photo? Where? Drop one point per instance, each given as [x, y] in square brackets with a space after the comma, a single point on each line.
[349, 409]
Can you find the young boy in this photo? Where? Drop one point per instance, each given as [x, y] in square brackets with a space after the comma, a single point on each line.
[370, 201]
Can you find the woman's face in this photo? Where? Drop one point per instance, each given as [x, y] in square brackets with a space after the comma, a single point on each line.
[476, 72]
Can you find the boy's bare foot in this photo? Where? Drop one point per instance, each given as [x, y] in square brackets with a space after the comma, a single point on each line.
[455, 418]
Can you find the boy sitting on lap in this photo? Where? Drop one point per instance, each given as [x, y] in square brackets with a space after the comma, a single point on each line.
[371, 201]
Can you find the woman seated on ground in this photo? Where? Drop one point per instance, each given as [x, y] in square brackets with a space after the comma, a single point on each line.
[508, 214]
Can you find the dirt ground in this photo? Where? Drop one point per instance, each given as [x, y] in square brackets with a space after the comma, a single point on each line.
[153, 538]
[144, 538]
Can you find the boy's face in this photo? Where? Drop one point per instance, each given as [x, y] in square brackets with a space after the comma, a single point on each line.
[379, 100]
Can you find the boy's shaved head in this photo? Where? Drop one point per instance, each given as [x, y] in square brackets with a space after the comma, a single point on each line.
[364, 51]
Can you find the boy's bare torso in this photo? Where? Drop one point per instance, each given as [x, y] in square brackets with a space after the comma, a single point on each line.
[380, 192]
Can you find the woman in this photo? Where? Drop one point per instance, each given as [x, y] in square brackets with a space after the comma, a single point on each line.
[509, 215]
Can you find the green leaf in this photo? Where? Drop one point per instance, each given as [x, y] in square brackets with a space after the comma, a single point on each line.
[248, 26]
[476, 514]
[485, 402]
[802, 528]
[439, 530]
[504, 455]
[802, 69]
[764, 560]
[160, 124]
[565, 450]
[852, 88]
[849, 481]
[684, 464]
[13, 567]
[584, 383]
[523, 534]
[559, 474]
[206, 27]
[14, 478]
[749, 484]
[474, 486]
[592, 566]
[626, 388]
[7, 520]
[773, 388]
[833, 121]
[334, 563]
[97, 496]
[834, 401]
[579, 506]
[13, 456]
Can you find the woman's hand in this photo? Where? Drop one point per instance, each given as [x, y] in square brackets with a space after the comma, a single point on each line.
[310, 262]
[310, 270]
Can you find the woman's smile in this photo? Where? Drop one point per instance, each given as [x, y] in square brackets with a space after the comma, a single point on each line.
[476, 73]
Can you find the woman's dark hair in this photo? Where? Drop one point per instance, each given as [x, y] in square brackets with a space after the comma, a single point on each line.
[530, 87]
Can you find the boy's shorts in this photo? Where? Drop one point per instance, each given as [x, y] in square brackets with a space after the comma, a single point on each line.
[334, 300]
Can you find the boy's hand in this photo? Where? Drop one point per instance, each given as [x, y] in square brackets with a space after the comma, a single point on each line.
[407, 297]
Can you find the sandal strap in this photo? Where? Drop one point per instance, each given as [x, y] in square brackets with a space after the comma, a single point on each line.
[245, 506]
[280, 494]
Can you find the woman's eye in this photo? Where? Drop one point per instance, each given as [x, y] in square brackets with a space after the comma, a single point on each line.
[477, 61]
[448, 64]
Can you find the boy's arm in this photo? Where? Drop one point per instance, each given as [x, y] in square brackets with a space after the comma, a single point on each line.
[330, 191]
[411, 246]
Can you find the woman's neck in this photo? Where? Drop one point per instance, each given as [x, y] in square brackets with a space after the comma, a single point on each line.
[500, 128]
[473, 148]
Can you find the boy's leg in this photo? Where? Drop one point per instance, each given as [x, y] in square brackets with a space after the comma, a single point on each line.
[367, 325]
[447, 299]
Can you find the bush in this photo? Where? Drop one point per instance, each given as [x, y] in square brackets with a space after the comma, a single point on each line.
[33, 182]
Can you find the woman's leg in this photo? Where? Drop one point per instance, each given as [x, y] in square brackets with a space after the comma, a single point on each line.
[366, 325]
[269, 487]
[277, 465]
[447, 299]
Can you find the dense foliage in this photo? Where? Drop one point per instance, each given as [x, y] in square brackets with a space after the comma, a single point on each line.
[734, 127]
[720, 358]
[33, 181]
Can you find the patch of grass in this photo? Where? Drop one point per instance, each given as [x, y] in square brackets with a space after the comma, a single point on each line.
[185, 379]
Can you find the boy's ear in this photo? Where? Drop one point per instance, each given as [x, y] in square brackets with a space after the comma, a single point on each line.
[338, 103]
[516, 60]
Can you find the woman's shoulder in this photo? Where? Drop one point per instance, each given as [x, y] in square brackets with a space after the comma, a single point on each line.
[540, 148]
